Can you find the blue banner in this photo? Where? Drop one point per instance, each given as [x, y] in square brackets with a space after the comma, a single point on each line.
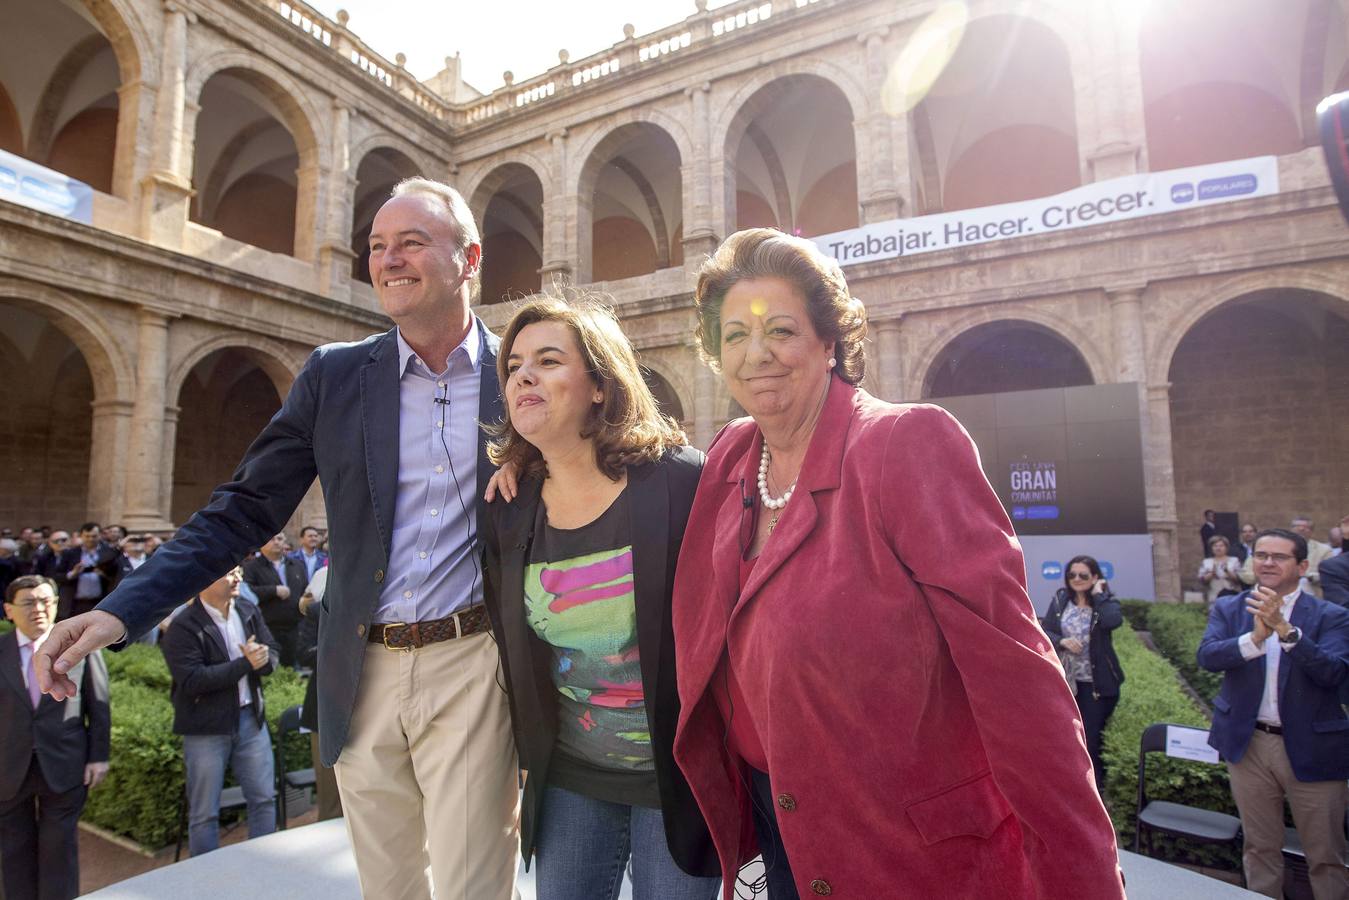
[43, 189]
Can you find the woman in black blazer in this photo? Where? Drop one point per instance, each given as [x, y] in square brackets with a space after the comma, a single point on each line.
[1079, 622]
[580, 569]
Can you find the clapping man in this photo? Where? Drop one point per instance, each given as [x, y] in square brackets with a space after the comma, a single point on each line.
[1277, 721]
[218, 648]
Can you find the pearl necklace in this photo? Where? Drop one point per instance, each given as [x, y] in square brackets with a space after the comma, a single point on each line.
[767, 498]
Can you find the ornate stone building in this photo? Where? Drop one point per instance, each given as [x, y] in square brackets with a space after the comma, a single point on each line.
[238, 151]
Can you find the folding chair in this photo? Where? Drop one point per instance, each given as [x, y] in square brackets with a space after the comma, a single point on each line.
[1203, 825]
[297, 779]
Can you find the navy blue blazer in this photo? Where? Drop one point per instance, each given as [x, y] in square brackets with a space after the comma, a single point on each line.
[1315, 729]
[339, 422]
[1334, 574]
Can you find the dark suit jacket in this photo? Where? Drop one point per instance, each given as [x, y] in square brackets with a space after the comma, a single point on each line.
[1315, 730]
[260, 574]
[339, 422]
[205, 689]
[659, 500]
[67, 733]
[1334, 574]
[106, 566]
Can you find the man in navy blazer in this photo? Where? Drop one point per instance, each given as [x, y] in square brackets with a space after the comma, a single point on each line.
[1335, 574]
[1278, 721]
[410, 712]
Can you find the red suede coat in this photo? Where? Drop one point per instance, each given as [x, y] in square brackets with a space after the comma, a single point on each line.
[921, 739]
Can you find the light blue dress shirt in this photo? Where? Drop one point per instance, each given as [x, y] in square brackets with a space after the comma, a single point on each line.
[434, 568]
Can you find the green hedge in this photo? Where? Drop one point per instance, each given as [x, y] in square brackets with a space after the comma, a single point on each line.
[140, 797]
[1151, 694]
[1176, 631]
[1136, 613]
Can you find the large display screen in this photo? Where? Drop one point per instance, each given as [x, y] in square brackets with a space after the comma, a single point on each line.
[1067, 464]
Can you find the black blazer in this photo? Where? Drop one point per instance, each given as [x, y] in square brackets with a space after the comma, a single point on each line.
[660, 497]
[205, 688]
[1106, 616]
[1334, 574]
[67, 734]
[339, 422]
[105, 563]
[260, 575]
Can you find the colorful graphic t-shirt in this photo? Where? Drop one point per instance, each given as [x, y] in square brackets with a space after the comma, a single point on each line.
[579, 600]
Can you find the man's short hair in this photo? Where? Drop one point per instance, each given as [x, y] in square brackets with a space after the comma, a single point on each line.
[9, 544]
[87, 525]
[1299, 542]
[27, 583]
[1210, 512]
[1297, 519]
[466, 230]
[308, 528]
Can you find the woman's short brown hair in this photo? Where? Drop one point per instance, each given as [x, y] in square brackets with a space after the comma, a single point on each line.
[768, 253]
[628, 426]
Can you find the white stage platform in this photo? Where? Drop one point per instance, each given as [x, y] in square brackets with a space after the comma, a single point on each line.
[315, 861]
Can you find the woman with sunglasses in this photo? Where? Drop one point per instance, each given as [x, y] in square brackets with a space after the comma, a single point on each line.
[1079, 621]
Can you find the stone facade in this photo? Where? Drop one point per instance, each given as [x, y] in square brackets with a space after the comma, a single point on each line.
[246, 145]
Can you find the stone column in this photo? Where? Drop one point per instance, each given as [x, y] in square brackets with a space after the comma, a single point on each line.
[1130, 365]
[169, 458]
[882, 142]
[1108, 94]
[335, 253]
[145, 511]
[135, 129]
[700, 234]
[559, 259]
[167, 191]
[1161, 473]
[890, 357]
[704, 403]
[311, 191]
[108, 441]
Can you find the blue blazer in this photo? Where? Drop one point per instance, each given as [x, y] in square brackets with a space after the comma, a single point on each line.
[1334, 573]
[1315, 729]
[340, 423]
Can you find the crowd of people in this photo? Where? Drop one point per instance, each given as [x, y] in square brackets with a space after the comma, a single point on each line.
[813, 643]
[1229, 564]
[218, 648]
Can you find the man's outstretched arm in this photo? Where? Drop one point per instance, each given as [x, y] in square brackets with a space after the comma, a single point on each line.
[242, 514]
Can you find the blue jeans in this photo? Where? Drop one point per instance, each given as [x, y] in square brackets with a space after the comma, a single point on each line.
[582, 847]
[249, 756]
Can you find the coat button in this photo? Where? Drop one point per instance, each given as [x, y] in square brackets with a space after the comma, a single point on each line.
[821, 887]
[360, 631]
[379, 576]
[787, 802]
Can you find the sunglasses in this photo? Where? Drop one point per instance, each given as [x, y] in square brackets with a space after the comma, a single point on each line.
[1079, 576]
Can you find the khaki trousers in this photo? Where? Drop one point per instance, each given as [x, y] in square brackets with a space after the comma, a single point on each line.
[1259, 784]
[428, 775]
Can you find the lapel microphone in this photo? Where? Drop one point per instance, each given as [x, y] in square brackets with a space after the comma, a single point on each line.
[746, 500]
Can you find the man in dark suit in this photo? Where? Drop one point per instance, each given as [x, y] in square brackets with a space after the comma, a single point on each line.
[51, 752]
[86, 571]
[1335, 574]
[1277, 720]
[218, 649]
[1208, 530]
[278, 581]
[421, 740]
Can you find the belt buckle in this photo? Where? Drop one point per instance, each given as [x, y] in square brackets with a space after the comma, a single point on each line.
[387, 646]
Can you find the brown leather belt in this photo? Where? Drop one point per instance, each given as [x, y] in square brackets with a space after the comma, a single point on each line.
[1268, 729]
[413, 635]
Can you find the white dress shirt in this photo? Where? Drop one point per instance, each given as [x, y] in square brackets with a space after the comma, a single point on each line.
[231, 629]
[1272, 649]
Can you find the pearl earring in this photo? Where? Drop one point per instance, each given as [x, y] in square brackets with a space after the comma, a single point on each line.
[832, 363]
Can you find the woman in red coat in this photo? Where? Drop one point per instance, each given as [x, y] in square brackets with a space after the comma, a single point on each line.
[863, 683]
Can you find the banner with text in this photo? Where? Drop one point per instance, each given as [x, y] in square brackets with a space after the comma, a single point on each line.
[43, 189]
[1129, 197]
